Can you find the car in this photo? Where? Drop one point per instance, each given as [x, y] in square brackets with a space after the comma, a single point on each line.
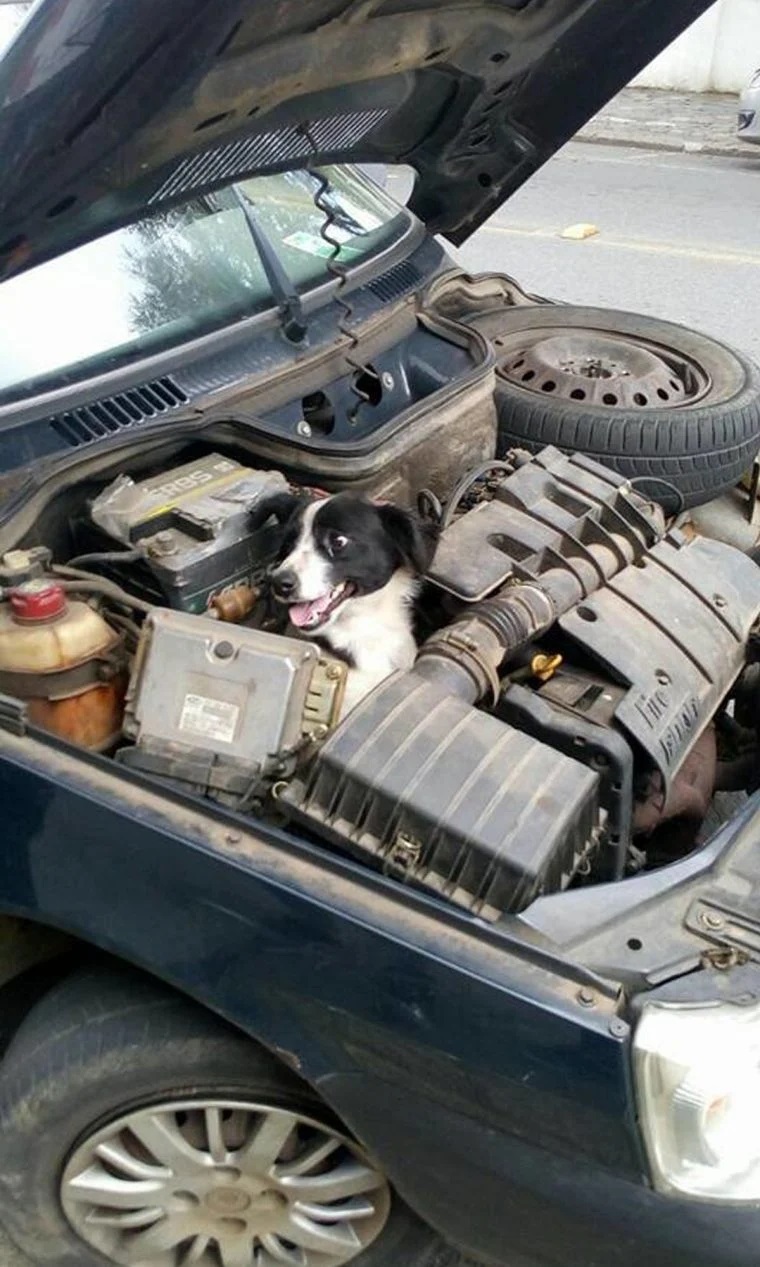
[748, 128]
[473, 964]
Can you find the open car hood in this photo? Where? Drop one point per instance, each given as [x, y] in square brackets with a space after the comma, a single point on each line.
[111, 109]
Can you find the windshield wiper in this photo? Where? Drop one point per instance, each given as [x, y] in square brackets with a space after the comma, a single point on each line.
[289, 306]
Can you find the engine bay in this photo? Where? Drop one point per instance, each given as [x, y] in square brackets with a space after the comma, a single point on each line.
[586, 679]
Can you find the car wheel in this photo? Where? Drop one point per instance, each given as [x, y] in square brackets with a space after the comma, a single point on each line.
[659, 403]
[137, 1129]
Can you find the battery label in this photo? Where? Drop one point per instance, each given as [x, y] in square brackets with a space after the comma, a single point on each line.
[209, 718]
[189, 479]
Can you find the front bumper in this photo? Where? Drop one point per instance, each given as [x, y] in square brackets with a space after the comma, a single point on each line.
[506, 1200]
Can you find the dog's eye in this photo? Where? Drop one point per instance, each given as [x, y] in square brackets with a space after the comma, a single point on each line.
[337, 542]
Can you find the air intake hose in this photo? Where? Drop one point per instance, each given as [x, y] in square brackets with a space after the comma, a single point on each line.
[464, 658]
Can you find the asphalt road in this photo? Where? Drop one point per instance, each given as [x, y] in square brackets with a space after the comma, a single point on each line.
[678, 237]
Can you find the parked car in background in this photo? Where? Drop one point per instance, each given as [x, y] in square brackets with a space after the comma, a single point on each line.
[749, 111]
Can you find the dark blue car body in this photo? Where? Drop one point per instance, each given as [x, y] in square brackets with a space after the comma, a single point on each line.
[500, 1106]
[489, 1073]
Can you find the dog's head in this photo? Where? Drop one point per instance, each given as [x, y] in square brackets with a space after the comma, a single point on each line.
[338, 548]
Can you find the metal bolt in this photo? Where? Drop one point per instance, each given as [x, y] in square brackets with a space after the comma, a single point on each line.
[586, 997]
[333, 672]
[163, 543]
[319, 732]
[405, 851]
[722, 959]
[388, 381]
[303, 429]
[224, 650]
[618, 1029]
[711, 919]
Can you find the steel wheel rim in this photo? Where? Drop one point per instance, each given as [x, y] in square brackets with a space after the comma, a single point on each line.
[604, 368]
[222, 1183]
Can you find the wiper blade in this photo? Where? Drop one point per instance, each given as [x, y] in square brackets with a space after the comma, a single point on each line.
[292, 318]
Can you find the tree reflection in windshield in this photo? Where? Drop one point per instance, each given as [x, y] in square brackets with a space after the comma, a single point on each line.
[179, 274]
[192, 259]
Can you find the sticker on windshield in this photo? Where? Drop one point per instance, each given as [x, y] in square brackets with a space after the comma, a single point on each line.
[311, 244]
[209, 718]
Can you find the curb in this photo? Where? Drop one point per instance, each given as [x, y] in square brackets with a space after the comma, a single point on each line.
[714, 149]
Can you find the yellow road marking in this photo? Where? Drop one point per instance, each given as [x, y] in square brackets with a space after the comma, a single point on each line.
[631, 244]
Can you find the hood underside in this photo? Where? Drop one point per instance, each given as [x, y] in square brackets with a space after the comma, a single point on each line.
[111, 109]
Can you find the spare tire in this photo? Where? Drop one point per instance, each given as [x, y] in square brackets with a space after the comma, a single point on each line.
[659, 403]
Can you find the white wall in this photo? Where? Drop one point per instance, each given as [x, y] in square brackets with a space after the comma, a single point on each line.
[11, 17]
[717, 54]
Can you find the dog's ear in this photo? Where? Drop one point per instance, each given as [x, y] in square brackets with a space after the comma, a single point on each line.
[414, 538]
[279, 506]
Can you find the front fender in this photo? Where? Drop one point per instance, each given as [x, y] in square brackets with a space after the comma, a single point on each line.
[350, 978]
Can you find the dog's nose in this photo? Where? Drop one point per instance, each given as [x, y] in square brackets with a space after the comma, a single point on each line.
[284, 584]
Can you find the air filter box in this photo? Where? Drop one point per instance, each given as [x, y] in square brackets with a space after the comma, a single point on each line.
[453, 799]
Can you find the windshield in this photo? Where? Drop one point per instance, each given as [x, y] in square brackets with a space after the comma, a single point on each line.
[179, 274]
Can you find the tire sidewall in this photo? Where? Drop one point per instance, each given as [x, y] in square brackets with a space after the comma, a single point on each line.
[700, 449]
[43, 1119]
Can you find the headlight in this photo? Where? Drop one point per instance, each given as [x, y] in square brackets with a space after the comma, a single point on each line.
[697, 1073]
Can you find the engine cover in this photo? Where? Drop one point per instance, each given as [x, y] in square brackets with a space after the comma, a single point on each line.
[672, 627]
[674, 630]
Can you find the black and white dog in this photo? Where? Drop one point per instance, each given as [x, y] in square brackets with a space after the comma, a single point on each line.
[348, 570]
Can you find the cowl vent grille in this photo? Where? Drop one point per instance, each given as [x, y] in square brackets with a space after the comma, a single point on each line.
[266, 151]
[102, 418]
[398, 279]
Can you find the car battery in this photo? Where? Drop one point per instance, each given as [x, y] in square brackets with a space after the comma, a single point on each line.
[192, 525]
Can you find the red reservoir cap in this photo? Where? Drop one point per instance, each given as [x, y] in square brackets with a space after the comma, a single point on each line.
[37, 600]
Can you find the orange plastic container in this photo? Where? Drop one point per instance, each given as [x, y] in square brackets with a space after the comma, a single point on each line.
[65, 662]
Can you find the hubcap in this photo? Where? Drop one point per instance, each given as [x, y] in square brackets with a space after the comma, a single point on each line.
[223, 1184]
[590, 367]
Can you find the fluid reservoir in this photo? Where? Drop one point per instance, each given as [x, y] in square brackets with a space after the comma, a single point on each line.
[64, 661]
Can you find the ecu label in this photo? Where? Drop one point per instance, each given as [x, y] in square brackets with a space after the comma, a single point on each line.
[209, 718]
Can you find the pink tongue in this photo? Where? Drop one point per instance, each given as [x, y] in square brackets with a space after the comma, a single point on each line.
[303, 614]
